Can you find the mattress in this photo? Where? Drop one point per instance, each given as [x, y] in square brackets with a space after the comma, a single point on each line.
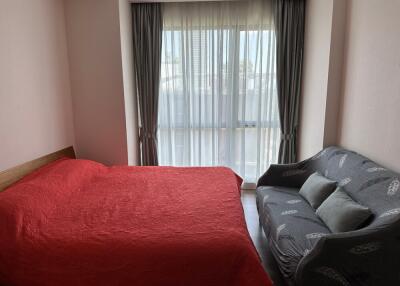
[78, 222]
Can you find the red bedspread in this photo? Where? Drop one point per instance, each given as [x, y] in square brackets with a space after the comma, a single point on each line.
[77, 222]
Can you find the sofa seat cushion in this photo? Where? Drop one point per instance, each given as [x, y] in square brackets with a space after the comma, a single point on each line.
[291, 225]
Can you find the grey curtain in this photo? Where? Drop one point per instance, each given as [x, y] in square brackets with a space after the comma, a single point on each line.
[147, 39]
[289, 17]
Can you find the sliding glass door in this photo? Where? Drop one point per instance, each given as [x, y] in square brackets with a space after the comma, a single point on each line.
[218, 104]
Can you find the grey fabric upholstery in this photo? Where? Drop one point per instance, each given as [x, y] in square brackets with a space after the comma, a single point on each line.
[368, 256]
[290, 224]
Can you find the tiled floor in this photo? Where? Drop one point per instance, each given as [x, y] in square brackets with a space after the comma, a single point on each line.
[258, 236]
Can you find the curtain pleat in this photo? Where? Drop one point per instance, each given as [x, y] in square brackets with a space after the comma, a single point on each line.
[289, 18]
[147, 43]
[218, 101]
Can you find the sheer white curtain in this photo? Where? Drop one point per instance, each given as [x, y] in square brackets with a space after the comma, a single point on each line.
[218, 103]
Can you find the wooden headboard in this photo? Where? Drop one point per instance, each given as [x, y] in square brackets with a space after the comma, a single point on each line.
[14, 174]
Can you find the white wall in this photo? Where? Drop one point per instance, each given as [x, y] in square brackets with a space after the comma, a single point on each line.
[94, 46]
[35, 104]
[370, 105]
[334, 88]
[322, 75]
[132, 134]
[359, 93]
[318, 28]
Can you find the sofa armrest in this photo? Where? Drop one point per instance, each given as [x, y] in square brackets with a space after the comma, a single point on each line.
[362, 257]
[285, 175]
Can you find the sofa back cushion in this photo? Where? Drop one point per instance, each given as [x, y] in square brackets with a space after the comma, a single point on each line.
[366, 182]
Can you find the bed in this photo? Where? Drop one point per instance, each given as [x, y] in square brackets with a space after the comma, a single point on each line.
[78, 222]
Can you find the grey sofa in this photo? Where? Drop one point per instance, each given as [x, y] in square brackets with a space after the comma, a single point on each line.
[306, 251]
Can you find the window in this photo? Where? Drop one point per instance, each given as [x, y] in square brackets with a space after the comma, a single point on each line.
[218, 104]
